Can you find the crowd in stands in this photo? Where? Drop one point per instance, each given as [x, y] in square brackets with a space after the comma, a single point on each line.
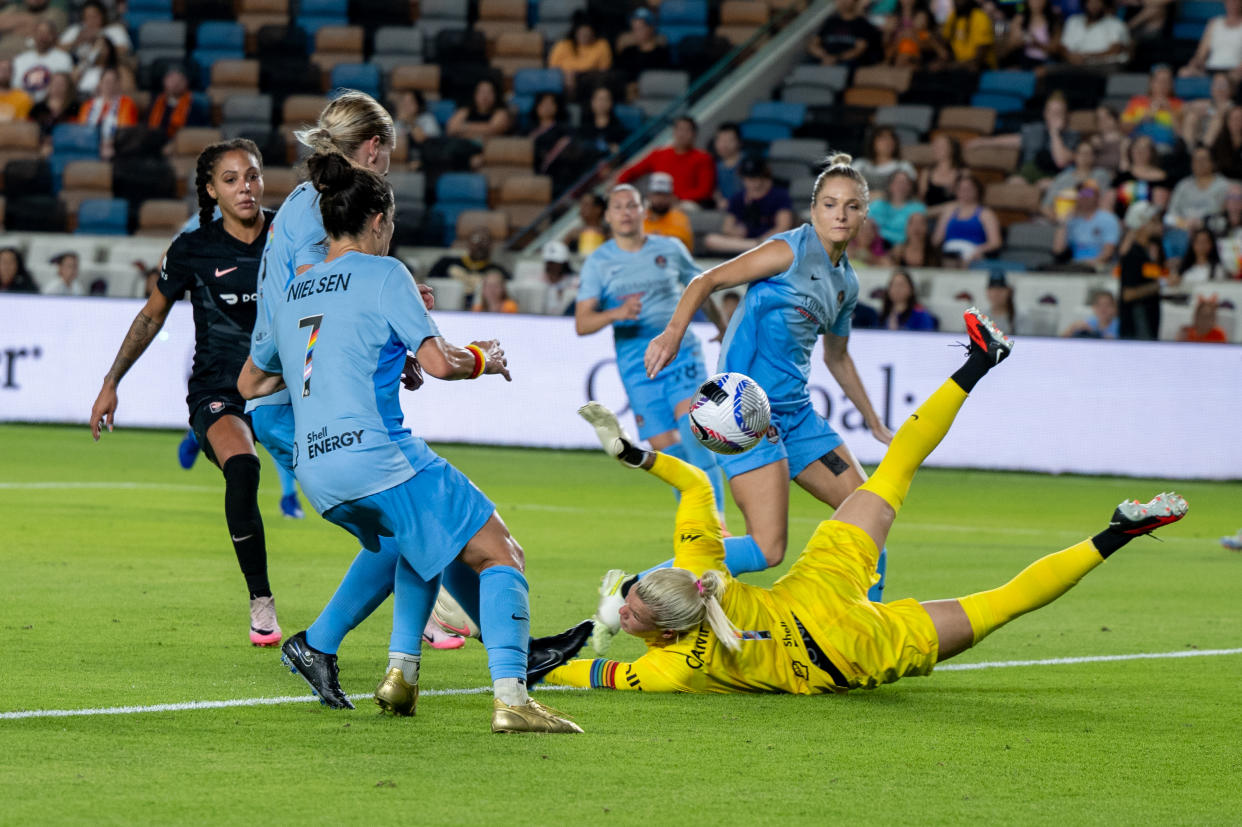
[1007, 136]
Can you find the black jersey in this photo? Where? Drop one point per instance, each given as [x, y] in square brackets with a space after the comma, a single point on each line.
[221, 274]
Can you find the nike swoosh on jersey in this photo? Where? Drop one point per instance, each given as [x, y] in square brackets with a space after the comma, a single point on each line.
[220, 272]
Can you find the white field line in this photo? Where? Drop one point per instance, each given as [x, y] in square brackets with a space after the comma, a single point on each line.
[479, 690]
[103, 486]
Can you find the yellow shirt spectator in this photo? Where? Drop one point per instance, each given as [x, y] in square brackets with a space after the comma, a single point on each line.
[14, 105]
[966, 36]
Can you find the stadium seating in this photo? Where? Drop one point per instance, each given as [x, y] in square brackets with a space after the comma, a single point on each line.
[103, 216]
[218, 40]
[365, 77]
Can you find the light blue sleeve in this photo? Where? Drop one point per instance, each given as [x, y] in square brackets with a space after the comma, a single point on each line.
[590, 286]
[403, 308]
[309, 241]
[687, 269]
[263, 350]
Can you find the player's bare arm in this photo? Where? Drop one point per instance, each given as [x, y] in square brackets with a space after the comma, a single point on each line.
[447, 361]
[142, 332]
[841, 366]
[764, 261]
[254, 382]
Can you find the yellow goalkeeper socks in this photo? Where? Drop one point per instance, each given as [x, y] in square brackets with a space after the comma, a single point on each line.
[917, 437]
[1037, 585]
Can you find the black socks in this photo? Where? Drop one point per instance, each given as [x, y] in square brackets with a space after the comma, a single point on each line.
[241, 512]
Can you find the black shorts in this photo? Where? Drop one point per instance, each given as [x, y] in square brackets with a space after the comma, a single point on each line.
[209, 410]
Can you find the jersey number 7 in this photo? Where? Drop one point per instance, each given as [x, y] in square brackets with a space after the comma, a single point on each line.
[313, 322]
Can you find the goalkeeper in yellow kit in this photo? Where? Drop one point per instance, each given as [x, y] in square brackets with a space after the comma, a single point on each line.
[815, 631]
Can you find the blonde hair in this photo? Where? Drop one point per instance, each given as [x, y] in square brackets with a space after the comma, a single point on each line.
[349, 121]
[840, 165]
[679, 601]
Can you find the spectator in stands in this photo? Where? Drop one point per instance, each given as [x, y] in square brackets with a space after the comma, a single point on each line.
[847, 37]
[67, 282]
[1109, 141]
[591, 231]
[663, 215]
[1158, 113]
[693, 170]
[19, 20]
[1203, 326]
[758, 212]
[967, 231]
[174, 108]
[999, 298]
[1203, 119]
[493, 296]
[1097, 37]
[562, 282]
[1103, 322]
[59, 106]
[108, 111]
[883, 158]
[471, 267]
[14, 277]
[581, 50]
[1058, 200]
[1228, 229]
[1090, 234]
[1142, 265]
[1227, 147]
[917, 250]
[1200, 264]
[79, 39]
[936, 182]
[727, 147]
[892, 210]
[901, 309]
[34, 67]
[1047, 145]
[485, 117]
[552, 135]
[647, 49]
[104, 56]
[1141, 179]
[910, 39]
[14, 103]
[971, 36]
[1034, 36]
[602, 131]
[1220, 48]
[1199, 195]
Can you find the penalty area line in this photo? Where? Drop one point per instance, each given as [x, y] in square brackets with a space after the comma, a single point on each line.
[481, 690]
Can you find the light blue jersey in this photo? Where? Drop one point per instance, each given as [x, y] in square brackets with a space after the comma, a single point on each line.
[772, 333]
[339, 335]
[296, 238]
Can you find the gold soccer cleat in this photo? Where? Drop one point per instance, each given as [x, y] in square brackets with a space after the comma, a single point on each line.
[396, 696]
[531, 716]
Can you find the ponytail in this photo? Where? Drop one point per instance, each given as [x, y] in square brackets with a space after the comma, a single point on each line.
[679, 601]
[348, 194]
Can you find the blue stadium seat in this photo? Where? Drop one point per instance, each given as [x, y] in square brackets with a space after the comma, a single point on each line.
[467, 188]
[1188, 30]
[75, 138]
[1199, 10]
[631, 117]
[365, 77]
[312, 23]
[104, 216]
[146, 11]
[1002, 103]
[1011, 265]
[789, 114]
[758, 131]
[1192, 88]
[315, 14]
[675, 33]
[535, 81]
[683, 12]
[221, 36]
[442, 109]
[1018, 84]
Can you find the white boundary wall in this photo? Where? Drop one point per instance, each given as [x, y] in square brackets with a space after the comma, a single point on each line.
[1149, 409]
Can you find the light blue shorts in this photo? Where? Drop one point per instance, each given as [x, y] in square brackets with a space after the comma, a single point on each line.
[801, 436]
[431, 516]
[654, 400]
[273, 427]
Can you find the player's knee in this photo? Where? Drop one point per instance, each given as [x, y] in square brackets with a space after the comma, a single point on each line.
[772, 546]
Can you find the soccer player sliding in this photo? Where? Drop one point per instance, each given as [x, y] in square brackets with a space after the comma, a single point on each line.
[815, 631]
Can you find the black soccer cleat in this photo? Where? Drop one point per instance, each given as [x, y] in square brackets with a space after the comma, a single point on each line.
[1136, 519]
[986, 336]
[547, 653]
[318, 669]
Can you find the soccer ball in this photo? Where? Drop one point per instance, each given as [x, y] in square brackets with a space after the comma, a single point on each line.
[730, 414]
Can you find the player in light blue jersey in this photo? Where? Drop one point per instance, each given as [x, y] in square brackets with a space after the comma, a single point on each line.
[338, 338]
[632, 283]
[801, 287]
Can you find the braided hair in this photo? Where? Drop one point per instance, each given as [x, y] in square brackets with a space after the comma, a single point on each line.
[207, 165]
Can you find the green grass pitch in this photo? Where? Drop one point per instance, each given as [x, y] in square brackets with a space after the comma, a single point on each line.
[121, 589]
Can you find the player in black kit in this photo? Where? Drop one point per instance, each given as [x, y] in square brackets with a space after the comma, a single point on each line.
[218, 264]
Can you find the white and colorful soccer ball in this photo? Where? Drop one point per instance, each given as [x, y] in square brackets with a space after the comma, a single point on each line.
[730, 414]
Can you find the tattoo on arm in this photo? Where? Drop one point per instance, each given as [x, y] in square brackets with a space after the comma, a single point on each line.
[140, 334]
